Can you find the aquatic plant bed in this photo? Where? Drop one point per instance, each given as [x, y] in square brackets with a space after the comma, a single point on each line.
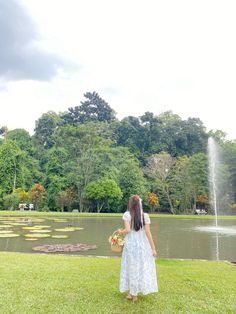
[41, 283]
[78, 247]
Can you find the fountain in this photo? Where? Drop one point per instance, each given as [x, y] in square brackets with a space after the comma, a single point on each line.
[213, 159]
[217, 188]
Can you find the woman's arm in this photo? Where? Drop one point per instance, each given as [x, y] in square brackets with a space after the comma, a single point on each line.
[126, 228]
[150, 239]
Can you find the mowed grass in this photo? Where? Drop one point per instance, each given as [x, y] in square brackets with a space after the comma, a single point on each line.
[76, 214]
[40, 283]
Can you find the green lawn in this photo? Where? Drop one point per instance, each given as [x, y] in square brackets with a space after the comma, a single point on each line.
[70, 214]
[39, 283]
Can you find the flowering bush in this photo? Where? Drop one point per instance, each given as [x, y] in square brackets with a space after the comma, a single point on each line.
[153, 200]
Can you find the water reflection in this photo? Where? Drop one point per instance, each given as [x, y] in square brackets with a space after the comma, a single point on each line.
[217, 246]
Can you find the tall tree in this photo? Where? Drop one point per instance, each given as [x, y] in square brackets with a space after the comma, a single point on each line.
[10, 159]
[159, 167]
[129, 133]
[198, 171]
[229, 158]
[23, 140]
[38, 195]
[45, 128]
[131, 180]
[196, 136]
[94, 108]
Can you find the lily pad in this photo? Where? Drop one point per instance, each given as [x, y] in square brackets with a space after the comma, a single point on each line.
[65, 229]
[30, 228]
[5, 231]
[5, 226]
[9, 235]
[64, 247]
[60, 236]
[40, 231]
[31, 239]
[41, 226]
[18, 224]
[37, 220]
[37, 235]
[78, 228]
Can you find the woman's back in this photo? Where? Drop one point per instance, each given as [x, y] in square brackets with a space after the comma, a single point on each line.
[138, 270]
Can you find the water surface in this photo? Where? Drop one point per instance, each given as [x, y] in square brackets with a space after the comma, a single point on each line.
[174, 238]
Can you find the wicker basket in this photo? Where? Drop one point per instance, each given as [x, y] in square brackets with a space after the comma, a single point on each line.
[116, 247]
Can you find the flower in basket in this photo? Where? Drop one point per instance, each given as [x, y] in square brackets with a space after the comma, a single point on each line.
[117, 239]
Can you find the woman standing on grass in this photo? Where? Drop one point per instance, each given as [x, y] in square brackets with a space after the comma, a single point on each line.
[138, 269]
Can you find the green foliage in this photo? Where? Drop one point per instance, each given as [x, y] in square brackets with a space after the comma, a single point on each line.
[86, 144]
[11, 201]
[159, 168]
[12, 165]
[45, 128]
[38, 195]
[22, 139]
[54, 185]
[131, 181]
[103, 192]
[94, 108]
[18, 196]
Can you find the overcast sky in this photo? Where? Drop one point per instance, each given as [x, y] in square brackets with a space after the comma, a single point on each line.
[139, 55]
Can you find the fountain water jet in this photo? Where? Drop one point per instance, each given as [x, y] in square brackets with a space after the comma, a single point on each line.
[213, 159]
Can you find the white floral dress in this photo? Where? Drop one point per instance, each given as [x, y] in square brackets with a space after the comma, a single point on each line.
[138, 269]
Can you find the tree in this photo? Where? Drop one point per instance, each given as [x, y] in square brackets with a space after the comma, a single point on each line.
[180, 185]
[54, 185]
[172, 138]
[203, 200]
[151, 134]
[22, 139]
[38, 195]
[84, 145]
[13, 200]
[159, 168]
[94, 108]
[65, 198]
[9, 167]
[128, 133]
[45, 128]
[229, 157]
[131, 180]
[196, 136]
[152, 200]
[218, 135]
[53, 161]
[198, 171]
[17, 168]
[103, 192]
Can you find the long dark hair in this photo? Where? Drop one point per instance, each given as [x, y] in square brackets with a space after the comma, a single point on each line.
[135, 209]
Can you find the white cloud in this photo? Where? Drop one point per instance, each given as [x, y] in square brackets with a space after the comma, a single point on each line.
[138, 55]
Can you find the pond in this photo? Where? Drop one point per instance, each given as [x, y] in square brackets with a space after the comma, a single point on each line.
[175, 238]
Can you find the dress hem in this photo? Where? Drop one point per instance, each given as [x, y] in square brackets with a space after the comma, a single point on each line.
[144, 293]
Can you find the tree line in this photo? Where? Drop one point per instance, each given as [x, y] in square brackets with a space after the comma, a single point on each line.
[87, 159]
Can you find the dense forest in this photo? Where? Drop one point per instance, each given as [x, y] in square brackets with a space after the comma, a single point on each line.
[87, 159]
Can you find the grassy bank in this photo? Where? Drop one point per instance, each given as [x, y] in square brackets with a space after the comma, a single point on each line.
[70, 214]
[39, 283]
